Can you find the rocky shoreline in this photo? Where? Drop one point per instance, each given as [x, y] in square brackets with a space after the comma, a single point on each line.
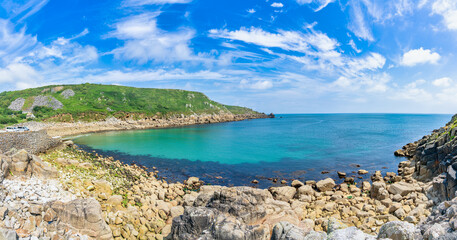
[65, 129]
[72, 194]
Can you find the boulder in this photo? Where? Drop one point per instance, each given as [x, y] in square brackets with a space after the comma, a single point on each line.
[81, 215]
[103, 186]
[325, 185]
[283, 193]
[8, 234]
[401, 188]
[296, 184]
[285, 231]
[305, 190]
[397, 230]
[22, 163]
[233, 213]
[435, 231]
[207, 223]
[350, 233]
[378, 190]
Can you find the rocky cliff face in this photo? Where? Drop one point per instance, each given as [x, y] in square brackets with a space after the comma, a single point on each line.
[434, 158]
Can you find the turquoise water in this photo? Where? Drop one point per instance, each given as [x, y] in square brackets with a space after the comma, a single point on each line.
[289, 146]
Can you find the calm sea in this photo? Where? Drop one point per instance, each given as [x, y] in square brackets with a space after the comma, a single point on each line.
[291, 146]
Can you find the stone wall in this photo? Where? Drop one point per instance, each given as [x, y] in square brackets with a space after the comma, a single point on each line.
[33, 142]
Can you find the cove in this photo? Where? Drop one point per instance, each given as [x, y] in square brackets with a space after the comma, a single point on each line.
[291, 146]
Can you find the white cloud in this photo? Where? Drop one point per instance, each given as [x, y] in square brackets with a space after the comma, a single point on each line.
[19, 76]
[422, 3]
[354, 46]
[153, 2]
[14, 44]
[448, 10]
[287, 40]
[317, 4]
[277, 5]
[358, 24]
[259, 85]
[443, 82]
[144, 41]
[251, 11]
[21, 10]
[419, 56]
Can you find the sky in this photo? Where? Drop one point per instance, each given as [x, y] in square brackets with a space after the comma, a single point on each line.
[281, 56]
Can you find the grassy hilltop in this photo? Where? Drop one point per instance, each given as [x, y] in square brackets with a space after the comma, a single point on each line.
[91, 102]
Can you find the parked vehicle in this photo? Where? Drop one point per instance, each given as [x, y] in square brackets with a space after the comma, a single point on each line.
[10, 129]
[17, 129]
[23, 129]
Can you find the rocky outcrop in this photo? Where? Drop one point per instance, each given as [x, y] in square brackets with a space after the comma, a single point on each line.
[232, 213]
[68, 93]
[434, 158]
[21, 163]
[45, 101]
[81, 215]
[17, 104]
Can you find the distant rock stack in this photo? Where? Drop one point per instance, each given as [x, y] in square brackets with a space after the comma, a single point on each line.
[271, 115]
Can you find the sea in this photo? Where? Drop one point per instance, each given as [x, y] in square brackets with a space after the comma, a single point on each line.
[288, 147]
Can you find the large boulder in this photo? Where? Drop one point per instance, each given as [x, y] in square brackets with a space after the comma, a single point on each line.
[80, 215]
[288, 231]
[208, 223]
[397, 230]
[283, 193]
[350, 233]
[325, 185]
[401, 188]
[22, 163]
[232, 213]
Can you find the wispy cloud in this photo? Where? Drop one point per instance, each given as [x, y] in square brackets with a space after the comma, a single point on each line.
[358, 24]
[153, 2]
[316, 4]
[20, 11]
[14, 44]
[286, 40]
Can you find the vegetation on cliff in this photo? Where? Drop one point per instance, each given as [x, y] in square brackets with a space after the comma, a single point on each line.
[92, 102]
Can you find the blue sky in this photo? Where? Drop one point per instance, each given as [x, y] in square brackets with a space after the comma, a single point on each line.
[283, 56]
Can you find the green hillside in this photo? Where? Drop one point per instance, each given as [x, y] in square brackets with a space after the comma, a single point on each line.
[89, 102]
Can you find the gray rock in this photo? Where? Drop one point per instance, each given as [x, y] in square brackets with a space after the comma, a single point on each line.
[397, 230]
[17, 104]
[8, 234]
[231, 213]
[401, 188]
[45, 101]
[350, 233]
[287, 231]
[435, 231]
[83, 216]
[67, 93]
[207, 223]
